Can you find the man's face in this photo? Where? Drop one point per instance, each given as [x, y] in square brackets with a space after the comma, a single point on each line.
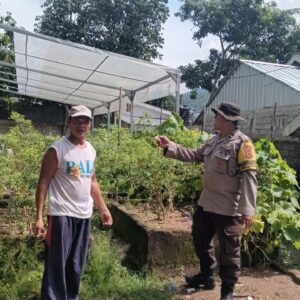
[79, 126]
[219, 123]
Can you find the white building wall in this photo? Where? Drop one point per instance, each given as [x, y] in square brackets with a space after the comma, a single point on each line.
[252, 89]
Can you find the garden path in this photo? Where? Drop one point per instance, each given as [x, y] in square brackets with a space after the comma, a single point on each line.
[254, 284]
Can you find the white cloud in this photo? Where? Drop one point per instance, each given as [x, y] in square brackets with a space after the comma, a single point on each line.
[23, 11]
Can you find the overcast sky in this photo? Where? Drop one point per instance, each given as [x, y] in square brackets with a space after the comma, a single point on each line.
[179, 47]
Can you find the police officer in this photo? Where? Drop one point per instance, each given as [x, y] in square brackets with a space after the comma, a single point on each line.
[228, 199]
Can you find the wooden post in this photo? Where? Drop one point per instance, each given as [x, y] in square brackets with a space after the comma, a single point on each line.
[131, 115]
[119, 141]
[161, 108]
[177, 94]
[120, 108]
[273, 123]
[108, 116]
[65, 125]
[93, 118]
[253, 124]
[119, 117]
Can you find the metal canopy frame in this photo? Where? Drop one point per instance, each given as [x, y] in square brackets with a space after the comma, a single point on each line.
[58, 70]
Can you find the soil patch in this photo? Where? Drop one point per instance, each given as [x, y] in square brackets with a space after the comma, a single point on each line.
[254, 284]
[178, 219]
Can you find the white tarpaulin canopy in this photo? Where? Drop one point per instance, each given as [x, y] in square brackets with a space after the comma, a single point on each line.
[70, 73]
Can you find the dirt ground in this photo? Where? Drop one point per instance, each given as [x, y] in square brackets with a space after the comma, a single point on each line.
[254, 284]
[177, 219]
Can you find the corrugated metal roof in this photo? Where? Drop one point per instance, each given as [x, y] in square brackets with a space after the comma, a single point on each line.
[255, 84]
[287, 74]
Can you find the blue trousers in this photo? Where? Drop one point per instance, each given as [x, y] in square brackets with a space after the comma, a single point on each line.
[66, 246]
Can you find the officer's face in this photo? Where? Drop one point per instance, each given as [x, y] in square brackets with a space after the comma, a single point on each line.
[219, 123]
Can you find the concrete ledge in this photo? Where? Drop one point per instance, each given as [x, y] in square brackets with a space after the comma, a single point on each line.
[149, 247]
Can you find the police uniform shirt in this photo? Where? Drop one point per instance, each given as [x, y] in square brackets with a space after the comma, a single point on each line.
[230, 184]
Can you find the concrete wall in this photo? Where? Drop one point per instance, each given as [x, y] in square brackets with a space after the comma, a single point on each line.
[47, 119]
[46, 129]
[150, 247]
[5, 125]
[290, 151]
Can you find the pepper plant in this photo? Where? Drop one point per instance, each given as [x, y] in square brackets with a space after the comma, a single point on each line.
[135, 168]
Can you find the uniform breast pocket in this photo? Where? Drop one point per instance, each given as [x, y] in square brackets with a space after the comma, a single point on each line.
[206, 154]
[221, 162]
[232, 167]
[207, 150]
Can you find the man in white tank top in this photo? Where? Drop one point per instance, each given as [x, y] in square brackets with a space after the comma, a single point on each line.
[68, 175]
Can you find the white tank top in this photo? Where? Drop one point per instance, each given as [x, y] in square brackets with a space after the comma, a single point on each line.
[69, 192]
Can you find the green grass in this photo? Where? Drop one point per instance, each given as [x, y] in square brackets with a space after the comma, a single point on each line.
[104, 278]
[20, 268]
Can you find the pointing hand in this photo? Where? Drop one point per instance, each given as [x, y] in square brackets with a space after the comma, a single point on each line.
[162, 141]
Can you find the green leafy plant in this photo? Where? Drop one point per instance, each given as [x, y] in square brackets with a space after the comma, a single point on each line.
[134, 169]
[277, 206]
[20, 157]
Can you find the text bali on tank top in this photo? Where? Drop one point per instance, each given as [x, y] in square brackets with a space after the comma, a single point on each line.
[69, 192]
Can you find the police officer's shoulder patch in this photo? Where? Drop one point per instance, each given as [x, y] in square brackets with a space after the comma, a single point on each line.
[247, 156]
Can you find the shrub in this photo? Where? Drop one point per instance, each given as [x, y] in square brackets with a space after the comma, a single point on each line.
[277, 223]
[133, 167]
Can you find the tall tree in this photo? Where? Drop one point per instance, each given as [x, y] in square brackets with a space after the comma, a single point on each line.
[253, 29]
[6, 55]
[130, 27]
[167, 103]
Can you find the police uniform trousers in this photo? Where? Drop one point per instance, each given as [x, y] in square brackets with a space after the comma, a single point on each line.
[228, 230]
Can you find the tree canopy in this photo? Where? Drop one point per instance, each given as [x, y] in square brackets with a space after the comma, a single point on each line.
[6, 55]
[249, 29]
[129, 27]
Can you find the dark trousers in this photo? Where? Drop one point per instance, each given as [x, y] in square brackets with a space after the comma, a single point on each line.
[228, 230]
[66, 251]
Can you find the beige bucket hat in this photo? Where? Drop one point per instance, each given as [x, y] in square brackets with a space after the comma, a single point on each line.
[229, 111]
